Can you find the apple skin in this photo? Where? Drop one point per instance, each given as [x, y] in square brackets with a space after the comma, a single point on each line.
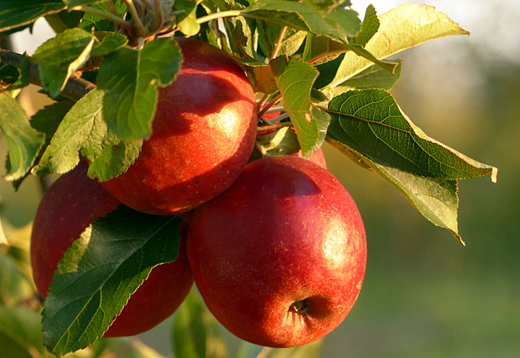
[71, 204]
[202, 136]
[317, 157]
[279, 258]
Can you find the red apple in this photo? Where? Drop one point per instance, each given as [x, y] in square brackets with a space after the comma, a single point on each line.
[203, 134]
[317, 157]
[279, 257]
[71, 204]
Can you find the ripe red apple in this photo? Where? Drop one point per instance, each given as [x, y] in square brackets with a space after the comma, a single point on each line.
[72, 203]
[279, 257]
[317, 157]
[203, 134]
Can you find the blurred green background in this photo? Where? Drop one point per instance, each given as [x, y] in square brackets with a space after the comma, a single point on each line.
[424, 294]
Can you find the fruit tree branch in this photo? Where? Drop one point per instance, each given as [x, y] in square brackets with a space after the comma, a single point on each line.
[74, 90]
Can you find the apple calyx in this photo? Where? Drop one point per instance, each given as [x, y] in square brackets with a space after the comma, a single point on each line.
[301, 307]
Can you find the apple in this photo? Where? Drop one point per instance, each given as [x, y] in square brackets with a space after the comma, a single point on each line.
[317, 157]
[71, 204]
[279, 257]
[202, 136]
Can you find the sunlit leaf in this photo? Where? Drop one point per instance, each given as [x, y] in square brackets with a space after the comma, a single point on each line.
[84, 131]
[368, 28]
[187, 19]
[372, 77]
[60, 57]
[281, 142]
[371, 122]
[23, 141]
[295, 80]
[405, 26]
[296, 15]
[130, 79]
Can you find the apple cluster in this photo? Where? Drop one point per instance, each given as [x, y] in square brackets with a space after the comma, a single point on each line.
[276, 246]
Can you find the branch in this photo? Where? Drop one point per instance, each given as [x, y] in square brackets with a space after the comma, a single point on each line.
[74, 90]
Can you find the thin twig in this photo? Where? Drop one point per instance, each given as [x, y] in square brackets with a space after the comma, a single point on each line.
[274, 126]
[269, 105]
[261, 103]
[278, 43]
[218, 15]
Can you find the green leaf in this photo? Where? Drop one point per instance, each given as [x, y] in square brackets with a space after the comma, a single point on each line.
[110, 43]
[320, 49]
[249, 350]
[372, 77]
[46, 121]
[405, 26]
[292, 14]
[72, 3]
[123, 348]
[362, 52]
[281, 142]
[269, 33]
[345, 21]
[262, 78]
[64, 20]
[99, 23]
[15, 13]
[187, 20]
[60, 57]
[83, 130]
[371, 122]
[15, 285]
[8, 74]
[20, 333]
[295, 80]
[436, 199]
[23, 141]
[130, 79]
[109, 261]
[196, 332]
[242, 37]
[15, 78]
[368, 28]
